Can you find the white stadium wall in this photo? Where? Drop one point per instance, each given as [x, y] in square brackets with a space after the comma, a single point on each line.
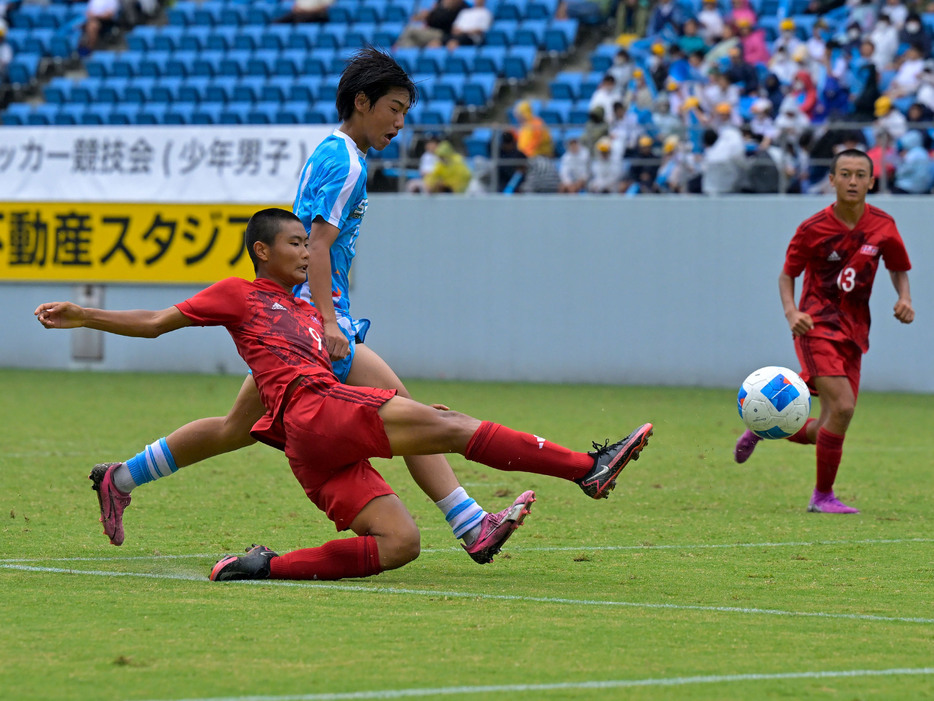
[645, 290]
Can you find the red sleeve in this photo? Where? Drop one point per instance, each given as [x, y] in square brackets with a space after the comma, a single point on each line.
[221, 304]
[796, 257]
[894, 253]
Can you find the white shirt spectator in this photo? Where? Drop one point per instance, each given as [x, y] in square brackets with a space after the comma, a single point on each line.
[723, 162]
[574, 166]
[885, 38]
[907, 78]
[711, 23]
[473, 20]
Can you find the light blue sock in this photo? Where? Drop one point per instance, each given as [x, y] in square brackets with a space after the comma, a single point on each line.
[462, 513]
[153, 462]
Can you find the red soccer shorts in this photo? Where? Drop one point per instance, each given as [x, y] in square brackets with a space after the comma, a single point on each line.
[821, 357]
[331, 430]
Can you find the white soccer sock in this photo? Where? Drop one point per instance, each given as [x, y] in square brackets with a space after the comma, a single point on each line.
[463, 514]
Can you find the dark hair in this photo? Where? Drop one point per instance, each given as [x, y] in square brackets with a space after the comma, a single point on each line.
[263, 226]
[373, 73]
[850, 153]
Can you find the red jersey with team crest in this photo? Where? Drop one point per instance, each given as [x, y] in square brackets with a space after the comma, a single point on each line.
[278, 335]
[839, 267]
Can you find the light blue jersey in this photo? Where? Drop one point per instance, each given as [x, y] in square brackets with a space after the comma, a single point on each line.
[333, 186]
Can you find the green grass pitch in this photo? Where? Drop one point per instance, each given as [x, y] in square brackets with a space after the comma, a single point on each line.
[697, 579]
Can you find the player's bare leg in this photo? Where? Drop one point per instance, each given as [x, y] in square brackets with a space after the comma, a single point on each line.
[193, 442]
[483, 533]
[838, 403]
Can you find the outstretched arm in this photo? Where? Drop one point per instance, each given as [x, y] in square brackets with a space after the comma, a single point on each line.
[799, 322]
[139, 322]
[904, 312]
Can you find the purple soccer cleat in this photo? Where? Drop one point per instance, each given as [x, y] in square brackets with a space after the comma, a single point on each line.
[827, 503]
[495, 529]
[112, 501]
[745, 445]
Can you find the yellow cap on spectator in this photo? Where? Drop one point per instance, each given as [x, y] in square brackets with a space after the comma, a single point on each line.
[787, 25]
[604, 144]
[646, 141]
[883, 106]
[724, 108]
[671, 143]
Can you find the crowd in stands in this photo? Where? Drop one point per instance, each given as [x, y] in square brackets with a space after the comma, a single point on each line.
[714, 99]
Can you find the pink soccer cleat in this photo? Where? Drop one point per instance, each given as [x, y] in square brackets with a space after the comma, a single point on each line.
[495, 529]
[827, 503]
[112, 501]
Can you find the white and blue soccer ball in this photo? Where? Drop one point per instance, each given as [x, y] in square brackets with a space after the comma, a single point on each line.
[774, 402]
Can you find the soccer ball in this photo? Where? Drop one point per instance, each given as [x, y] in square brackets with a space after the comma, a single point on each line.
[773, 402]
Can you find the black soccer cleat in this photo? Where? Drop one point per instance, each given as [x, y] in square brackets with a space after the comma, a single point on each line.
[253, 565]
[609, 461]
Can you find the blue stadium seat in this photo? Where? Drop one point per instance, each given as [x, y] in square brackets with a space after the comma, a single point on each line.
[69, 114]
[168, 39]
[123, 114]
[555, 112]
[192, 89]
[208, 64]
[291, 113]
[16, 114]
[602, 57]
[519, 62]
[358, 35]
[478, 142]
[530, 33]
[100, 63]
[438, 112]
[387, 33]
[560, 35]
[23, 69]
[459, 60]
[431, 60]
[479, 90]
[501, 33]
[263, 113]
[276, 89]
[233, 15]
[195, 39]
[304, 36]
[366, 13]
[276, 36]
[248, 89]
[222, 38]
[507, 11]
[490, 59]
[249, 38]
[261, 14]
[180, 63]
[327, 88]
[83, 92]
[58, 90]
[219, 90]
[37, 41]
[407, 57]
[64, 46]
[111, 91]
[317, 62]
[235, 114]
[42, 115]
[151, 64]
[207, 14]
[566, 85]
[262, 63]
[301, 91]
[181, 14]
[209, 113]
[179, 114]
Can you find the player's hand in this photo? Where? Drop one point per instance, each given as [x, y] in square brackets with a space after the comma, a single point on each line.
[60, 315]
[904, 312]
[337, 344]
[799, 322]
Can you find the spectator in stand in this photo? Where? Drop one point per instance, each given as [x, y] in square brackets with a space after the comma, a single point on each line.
[643, 167]
[664, 116]
[916, 34]
[100, 17]
[863, 13]
[512, 163]
[787, 38]
[723, 161]
[632, 18]
[804, 93]
[742, 73]
[774, 91]
[718, 89]
[783, 66]
[761, 122]
[638, 91]
[622, 69]
[913, 172]
[907, 78]
[897, 12]
[306, 11]
[595, 129]
[816, 44]
[754, 44]
[471, 25]
[721, 50]
[541, 176]
[606, 171]
[691, 39]
[451, 173]
[711, 22]
[426, 164]
[606, 93]
[742, 11]
[431, 27]
[574, 167]
[666, 16]
[851, 38]
[791, 122]
[672, 172]
[919, 112]
[657, 63]
[588, 11]
[884, 37]
[6, 54]
[533, 137]
[889, 119]
[926, 89]
[864, 101]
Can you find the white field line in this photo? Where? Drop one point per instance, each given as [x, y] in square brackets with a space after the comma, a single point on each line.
[376, 589]
[574, 548]
[584, 685]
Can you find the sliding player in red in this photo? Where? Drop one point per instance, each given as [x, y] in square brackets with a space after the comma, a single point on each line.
[328, 430]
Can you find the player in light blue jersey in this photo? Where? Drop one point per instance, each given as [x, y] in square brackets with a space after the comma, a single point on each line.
[373, 97]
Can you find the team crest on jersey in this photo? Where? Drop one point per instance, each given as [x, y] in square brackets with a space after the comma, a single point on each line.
[359, 210]
[868, 250]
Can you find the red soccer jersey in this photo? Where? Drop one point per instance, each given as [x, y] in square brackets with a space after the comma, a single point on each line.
[839, 268]
[278, 335]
